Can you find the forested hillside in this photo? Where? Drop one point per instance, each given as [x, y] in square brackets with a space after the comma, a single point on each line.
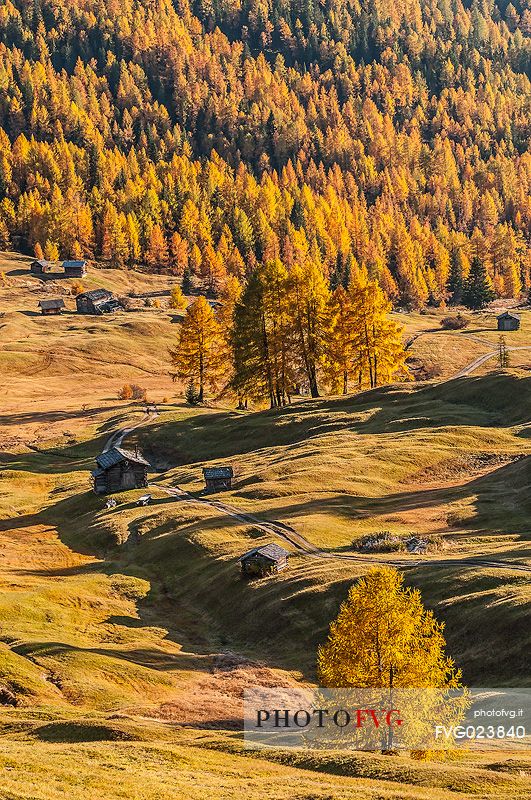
[212, 137]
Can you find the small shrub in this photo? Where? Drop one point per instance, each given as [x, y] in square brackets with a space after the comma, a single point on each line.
[77, 288]
[455, 322]
[126, 392]
[430, 370]
[191, 394]
[380, 542]
[387, 542]
[138, 392]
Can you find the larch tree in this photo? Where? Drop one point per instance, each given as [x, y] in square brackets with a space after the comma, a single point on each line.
[177, 298]
[200, 357]
[157, 249]
[51, 251]
[378, 347]
[178, 253]
[339, 360]
[263, 362]
[384, 637]
[309, 308]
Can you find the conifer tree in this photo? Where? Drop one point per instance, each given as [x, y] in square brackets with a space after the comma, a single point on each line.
[51, 251]
[478, 291]
[187, 281]
[339, 362]
[309, 300]
[383, 636]
[157, 249]
[459, 266]
[262, 351]
[200, 355]
[177, 298]
[378, 347]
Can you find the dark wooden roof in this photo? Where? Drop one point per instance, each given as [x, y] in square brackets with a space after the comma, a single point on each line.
[507, 315]
[96, 295]
[73, 264]
[41, 262]
[273, 552]
[117, 454]
[47, 304]
[213, 473]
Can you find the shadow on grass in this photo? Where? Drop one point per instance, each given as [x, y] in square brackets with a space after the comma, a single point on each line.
[496, 400]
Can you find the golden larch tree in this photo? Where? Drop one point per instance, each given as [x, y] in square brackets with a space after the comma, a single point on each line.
[384, 637]
[177, 298]
[384, 640]
[380, 355]
[200, 357]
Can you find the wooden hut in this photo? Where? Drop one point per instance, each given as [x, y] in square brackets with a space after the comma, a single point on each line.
[119, 470]
[261, 561]
[97, 301]
[508, 321]
[218, 478]
[49, 307]
[75, 269]
[41, 267]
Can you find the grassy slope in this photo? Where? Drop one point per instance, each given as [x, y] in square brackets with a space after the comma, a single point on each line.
[89, 654]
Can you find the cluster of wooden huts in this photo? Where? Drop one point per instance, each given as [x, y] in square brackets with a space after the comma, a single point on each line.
[65, 269]
[119, 470]
[95, 302]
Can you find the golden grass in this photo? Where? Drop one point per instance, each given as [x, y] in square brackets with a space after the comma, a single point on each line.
[111, 619]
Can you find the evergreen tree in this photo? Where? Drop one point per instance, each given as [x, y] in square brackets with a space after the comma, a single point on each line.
[478, 291]
[187, 281]
[456, 279]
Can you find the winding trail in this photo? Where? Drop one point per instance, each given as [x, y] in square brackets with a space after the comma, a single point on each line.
[116, 438]
[289, 535]
[477, 362]
[304, 547]
[481, 360]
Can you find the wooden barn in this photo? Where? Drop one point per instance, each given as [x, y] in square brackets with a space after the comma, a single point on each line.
[97, 301]
[41, 267]
[119, 470]
[261, 561]
[508, 321]
[218, 478]
[49, 307]
[75, 269]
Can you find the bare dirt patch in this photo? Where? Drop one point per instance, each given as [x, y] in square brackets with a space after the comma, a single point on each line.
[458, 469]
[215, 701]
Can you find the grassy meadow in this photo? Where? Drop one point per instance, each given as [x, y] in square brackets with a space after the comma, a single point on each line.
[126, 634]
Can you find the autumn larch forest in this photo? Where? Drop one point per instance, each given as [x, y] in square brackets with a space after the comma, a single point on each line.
[314, 163]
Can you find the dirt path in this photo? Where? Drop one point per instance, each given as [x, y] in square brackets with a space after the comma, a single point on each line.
[481, 360]
[304, 547]
[116, 438]
[477, 362]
